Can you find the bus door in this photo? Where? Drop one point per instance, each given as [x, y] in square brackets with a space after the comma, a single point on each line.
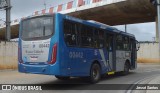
[133, 53]
[109, 49]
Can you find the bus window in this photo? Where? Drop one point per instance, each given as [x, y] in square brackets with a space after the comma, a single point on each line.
[86, 37]
[99, 38]
[70, 33]
[126, 44]
[119, 42]
[109, 42]
[37, 28]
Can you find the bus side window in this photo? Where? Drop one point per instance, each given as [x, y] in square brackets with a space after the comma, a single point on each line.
[99, 38]
[86, 36]
[119, 42]
[109, 42]
[70, 35]
[126, 43]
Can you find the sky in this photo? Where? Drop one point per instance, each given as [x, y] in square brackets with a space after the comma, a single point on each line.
[142, 31]
[23, 8]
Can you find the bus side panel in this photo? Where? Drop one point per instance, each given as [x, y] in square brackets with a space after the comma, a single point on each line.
[80, 61]
[94, 55]
[121, 57]
[76, 61]
[106, 65]
[62, 51]
[71, 59]
[55, 40]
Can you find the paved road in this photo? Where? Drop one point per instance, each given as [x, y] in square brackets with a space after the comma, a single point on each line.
[143, 74]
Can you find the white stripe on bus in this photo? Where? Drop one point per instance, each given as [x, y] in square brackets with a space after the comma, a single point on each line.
[102, 56]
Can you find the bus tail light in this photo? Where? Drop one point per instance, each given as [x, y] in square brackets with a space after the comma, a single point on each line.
[54, 54]
[19, 55]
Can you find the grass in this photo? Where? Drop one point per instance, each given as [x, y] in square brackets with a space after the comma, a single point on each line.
[147, 60]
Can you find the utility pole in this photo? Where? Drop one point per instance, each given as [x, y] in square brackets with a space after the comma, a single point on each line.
[125, 28]
[45, 4]
[8, 20]
[158, 14]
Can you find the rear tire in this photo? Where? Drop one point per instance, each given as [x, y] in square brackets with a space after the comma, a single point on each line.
[62, 77]
[95, 73]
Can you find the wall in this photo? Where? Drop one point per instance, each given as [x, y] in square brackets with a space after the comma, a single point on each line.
[149, 52]
[8, 55]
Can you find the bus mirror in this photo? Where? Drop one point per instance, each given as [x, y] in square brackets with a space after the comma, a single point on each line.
[137, 45]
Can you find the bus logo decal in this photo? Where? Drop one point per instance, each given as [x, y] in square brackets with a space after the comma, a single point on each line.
[33, 58]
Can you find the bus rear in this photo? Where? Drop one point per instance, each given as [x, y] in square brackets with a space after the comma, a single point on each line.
[38, 41]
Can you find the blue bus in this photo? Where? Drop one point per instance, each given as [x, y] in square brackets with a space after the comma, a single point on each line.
[64, 46]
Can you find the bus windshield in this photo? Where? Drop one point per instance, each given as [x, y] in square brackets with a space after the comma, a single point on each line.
[37, 28]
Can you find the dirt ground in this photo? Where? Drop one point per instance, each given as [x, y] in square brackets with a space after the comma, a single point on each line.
[145, 60]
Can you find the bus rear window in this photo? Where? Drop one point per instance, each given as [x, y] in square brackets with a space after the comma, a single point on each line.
[38, 28]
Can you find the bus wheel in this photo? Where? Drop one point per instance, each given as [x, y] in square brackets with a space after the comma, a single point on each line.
[94, 73]
[62, 78]
[126, 69]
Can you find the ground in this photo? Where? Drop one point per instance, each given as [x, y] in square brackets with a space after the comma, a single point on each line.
[144, 74]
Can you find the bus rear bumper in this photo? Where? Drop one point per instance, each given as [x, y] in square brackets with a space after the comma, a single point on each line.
[38, 69]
